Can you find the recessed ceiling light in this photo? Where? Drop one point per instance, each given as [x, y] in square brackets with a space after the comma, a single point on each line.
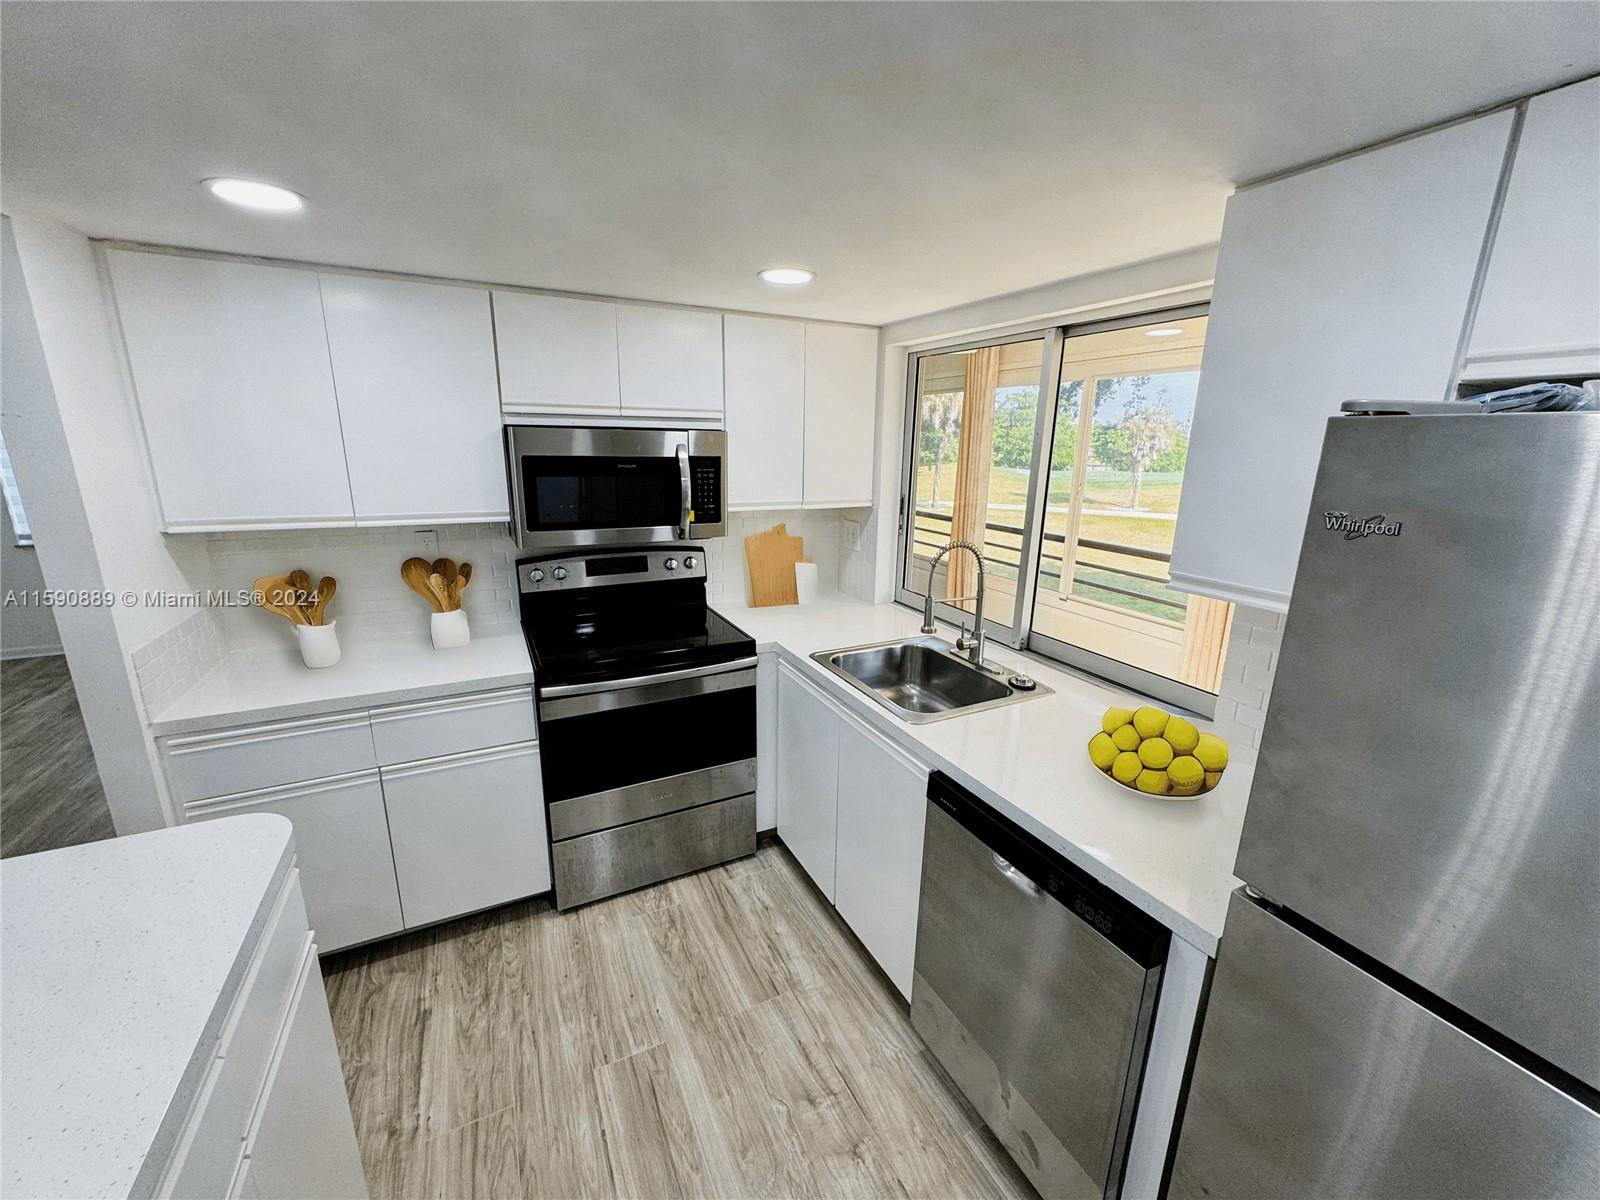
[1168, 332]
[786, 276]
[247, 193]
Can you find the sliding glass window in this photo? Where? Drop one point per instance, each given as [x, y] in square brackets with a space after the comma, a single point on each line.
[1074, 503]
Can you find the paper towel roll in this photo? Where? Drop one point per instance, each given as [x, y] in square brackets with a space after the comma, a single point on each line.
[805, 581]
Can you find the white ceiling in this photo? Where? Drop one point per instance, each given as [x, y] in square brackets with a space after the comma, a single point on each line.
[915, 156]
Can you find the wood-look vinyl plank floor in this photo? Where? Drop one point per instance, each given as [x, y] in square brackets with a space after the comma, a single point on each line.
[50, 793]
[720, 1035]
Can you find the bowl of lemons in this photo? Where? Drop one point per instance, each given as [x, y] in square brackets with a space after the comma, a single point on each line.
[1152, 751]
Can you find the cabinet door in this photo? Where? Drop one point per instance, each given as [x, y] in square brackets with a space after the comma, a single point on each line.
[468, 831]
[413, 368]
[557, 356]
[342, 840]
[764, 367]
[1540, 311]
[1349, 281]
[230, 367]
[304, 1141]
[841, 415]
[808, 776]
[882, 809]
[670, 362]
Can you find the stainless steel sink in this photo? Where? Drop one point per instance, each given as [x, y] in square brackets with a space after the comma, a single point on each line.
[926, 679]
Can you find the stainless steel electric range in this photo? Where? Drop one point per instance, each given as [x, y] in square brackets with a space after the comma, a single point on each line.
[647, 717]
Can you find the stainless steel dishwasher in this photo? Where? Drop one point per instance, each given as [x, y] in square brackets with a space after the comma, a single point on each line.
[1035, 987]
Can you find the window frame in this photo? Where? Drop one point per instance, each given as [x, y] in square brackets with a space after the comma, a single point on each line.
[1020, 634]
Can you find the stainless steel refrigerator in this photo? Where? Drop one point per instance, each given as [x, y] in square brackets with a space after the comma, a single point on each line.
[1406, 1002]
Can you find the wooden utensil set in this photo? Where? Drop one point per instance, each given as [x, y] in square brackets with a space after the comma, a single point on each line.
[440, 582]
[293, 597]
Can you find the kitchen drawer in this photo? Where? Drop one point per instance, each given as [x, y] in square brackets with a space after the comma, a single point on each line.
[258, 756]
[468, 832]
[453, 725]
[341, 840]
[212, 1144]
[630, 856]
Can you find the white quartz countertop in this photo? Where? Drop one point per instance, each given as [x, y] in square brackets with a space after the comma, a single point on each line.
[122, 958]
[266, 685]
[1172, 857]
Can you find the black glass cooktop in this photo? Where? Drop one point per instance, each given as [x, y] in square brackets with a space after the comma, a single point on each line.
[642, 628]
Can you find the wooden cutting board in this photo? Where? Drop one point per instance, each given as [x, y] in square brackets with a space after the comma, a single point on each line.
[770, 558]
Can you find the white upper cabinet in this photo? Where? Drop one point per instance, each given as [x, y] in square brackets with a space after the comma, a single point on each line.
[230, 368]
[670, 362]
[557, 356]
[414, 372]
[764, 369]
[1540, 310]
[841, 415]
[1350, 281]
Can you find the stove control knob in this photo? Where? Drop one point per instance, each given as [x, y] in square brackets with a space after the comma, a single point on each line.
[690, 561]
[536, 574]
[559, 573]
[671, 564]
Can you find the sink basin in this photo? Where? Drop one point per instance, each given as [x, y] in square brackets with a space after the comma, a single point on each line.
[925, 679]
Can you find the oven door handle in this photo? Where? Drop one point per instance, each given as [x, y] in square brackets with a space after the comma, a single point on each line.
[683, 489]
[582, 699]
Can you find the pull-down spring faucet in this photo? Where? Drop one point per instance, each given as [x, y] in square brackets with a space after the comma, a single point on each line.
[974, 645]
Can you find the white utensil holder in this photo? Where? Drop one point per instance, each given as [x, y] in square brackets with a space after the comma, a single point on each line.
[805, 582]
[319, 644]
[449, 629]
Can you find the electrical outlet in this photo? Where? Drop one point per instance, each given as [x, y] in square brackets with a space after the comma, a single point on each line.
[428, 540]
[852, 531]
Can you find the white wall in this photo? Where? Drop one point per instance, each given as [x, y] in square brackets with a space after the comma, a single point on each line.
[26, 629]
[68, 429]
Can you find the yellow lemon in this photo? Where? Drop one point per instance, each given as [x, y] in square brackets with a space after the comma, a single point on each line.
[1155, 753]
[1183, 735]
[1126, 767]
[1212, 752]
[1212, 779]
[1154, 782]
[1187, 775]
[1115, 719]
[1150, 721]
[1125, 737]
[1103, 751]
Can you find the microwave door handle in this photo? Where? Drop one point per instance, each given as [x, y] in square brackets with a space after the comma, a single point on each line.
[683, 490]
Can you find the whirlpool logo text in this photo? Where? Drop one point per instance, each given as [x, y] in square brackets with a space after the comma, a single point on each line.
[1360, 527]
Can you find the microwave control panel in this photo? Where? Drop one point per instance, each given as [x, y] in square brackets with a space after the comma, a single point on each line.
[705, 490]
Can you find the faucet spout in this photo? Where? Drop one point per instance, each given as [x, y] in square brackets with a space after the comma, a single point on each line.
[975, 646]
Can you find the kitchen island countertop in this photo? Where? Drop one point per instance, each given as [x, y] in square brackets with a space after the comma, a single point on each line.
[122, 959]
[1172, 857]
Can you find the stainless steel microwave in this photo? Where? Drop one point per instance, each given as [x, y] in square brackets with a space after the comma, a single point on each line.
[616, 487]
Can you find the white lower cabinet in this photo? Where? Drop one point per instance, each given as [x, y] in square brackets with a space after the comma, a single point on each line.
[808, 776]
[851, 809]
[342, 839]
[436, 809]
[271, 1119]
[883, 802]
[303, 1142]
[468, 831]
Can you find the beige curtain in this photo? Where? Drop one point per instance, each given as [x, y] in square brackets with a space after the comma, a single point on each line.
[972, 466]
[1205, 636]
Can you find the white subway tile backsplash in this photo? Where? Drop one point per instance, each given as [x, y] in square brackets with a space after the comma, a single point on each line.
[1247, 674]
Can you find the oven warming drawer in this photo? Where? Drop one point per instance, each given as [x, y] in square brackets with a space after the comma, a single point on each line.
[631, 856]
[652, 798]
